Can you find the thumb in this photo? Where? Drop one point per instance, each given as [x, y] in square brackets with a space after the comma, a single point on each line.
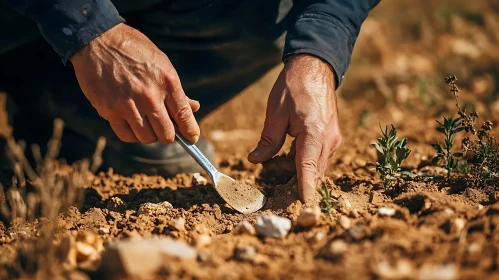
[271, 141]
[308, 152]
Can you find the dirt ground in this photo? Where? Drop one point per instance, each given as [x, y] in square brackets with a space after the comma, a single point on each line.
[438, 231]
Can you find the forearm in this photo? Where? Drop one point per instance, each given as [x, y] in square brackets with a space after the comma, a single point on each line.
[327, 29]
[69, 25]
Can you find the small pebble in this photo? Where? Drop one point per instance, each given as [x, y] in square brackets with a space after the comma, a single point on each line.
[356, 232]
[272, 226]
[244, 228]
[103, 230]
[197, 180]
[344, 222]
[438, 272]
[177, 224]
[448, 211]
[459, 223]
[384, 211]
[245, 254]
[309, 217]
[202, 240]
[354, 213]
[336, 249]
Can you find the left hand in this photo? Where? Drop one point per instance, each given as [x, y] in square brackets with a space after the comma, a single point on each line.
[302, 103]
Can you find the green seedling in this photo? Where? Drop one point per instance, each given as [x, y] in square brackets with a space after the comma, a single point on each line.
[393, 153]
[449, 128]
[328, 201]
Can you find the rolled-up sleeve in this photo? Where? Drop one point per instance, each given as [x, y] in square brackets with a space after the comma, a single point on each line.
[69, 25]
[327, 29]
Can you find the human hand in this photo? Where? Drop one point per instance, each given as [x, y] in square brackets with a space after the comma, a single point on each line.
[302, 103]
[133, 85]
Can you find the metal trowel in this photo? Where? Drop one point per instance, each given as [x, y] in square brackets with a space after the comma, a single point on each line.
[240, 196]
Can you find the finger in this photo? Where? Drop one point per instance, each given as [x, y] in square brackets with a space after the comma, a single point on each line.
[123, 131]
[308, 153]
[141, 127]
[180, 110]
[272, 139]
[162, 125]
[195, 105]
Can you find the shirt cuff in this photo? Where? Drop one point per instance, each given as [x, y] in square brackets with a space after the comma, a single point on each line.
[78, 24]
[320, 37]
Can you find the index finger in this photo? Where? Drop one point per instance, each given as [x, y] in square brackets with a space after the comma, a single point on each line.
[180, 110]
[308, 152]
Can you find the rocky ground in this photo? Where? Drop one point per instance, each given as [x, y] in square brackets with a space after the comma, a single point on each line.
[424, 228]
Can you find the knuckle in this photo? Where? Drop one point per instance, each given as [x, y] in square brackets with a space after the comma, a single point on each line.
[184, 114]
[266, 140]
[168, 138]
[316, 129]
[149, 98]
[309, 165]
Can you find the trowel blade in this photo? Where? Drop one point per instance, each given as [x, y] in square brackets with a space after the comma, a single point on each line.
[240, 196]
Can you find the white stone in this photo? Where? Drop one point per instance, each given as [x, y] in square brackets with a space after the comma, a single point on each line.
[85, 251]
[438, 272]
[384, 211]
[309, 217]
[197, 179]
[149, 209]
[272, 226]
[448, 211]
[142, 258]
[402, 269]
[459, 223]
[177, 224]
[202, 240]
[103, 230]
[244, 228]
[336, 249]
[344, 222]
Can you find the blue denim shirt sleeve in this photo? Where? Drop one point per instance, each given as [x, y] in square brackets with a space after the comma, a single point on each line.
[69, 25]
[327, 29]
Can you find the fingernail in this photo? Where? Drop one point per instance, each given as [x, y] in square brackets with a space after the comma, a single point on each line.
[255, 153]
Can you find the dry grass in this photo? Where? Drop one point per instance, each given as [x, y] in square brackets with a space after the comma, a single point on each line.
[37, 197]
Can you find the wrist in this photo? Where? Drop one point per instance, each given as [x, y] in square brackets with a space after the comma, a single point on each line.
[309, 62]
[108, 38]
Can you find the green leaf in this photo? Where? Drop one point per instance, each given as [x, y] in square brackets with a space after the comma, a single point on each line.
[458, 155]
[437, 147]
[378, 147]
[441, 129]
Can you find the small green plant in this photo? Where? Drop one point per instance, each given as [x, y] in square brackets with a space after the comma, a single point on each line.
[449, 128]
[328, 201]
[393, 153]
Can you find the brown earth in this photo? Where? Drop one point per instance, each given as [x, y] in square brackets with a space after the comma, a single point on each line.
[438, 231]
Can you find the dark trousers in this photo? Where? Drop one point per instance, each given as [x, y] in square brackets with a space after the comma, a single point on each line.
[217, 47]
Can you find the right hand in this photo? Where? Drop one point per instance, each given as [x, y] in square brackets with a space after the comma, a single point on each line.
[133, 85]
